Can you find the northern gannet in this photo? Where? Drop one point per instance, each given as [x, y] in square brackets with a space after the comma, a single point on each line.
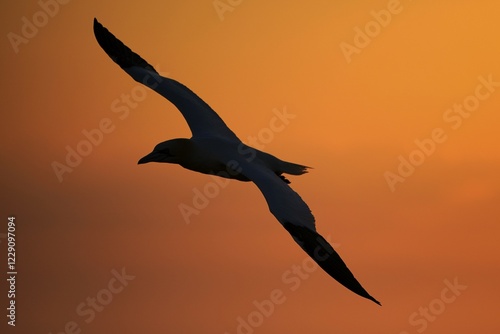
[215, 149]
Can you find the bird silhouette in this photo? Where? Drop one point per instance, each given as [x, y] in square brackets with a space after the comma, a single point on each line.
[215, 149]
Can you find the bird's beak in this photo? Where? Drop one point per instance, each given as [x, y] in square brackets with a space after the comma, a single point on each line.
[151, 157]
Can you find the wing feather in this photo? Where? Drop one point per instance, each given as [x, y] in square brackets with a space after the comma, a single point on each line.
[201, 118]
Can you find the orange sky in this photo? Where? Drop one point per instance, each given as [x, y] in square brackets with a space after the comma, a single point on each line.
[357, 115]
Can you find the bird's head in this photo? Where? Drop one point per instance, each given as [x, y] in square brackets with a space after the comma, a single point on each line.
[171, 151]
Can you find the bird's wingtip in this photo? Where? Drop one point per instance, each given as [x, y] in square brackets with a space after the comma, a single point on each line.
[327, 258]
[116, 50]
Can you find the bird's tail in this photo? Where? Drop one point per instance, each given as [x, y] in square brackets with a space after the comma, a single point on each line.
[293, 169]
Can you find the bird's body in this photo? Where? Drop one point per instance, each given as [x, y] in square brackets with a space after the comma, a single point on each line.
[209, 155]
[215, 149]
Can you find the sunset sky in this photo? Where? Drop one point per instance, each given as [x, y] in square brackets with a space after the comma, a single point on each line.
[395, 105]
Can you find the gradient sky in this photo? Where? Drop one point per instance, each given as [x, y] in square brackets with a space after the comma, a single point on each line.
[357, 115]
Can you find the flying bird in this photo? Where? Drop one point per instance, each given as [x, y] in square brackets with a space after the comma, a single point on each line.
[215, 149]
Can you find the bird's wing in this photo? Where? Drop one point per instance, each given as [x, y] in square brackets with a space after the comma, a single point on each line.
[327, 258]
[294, 214]
[202, 120]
